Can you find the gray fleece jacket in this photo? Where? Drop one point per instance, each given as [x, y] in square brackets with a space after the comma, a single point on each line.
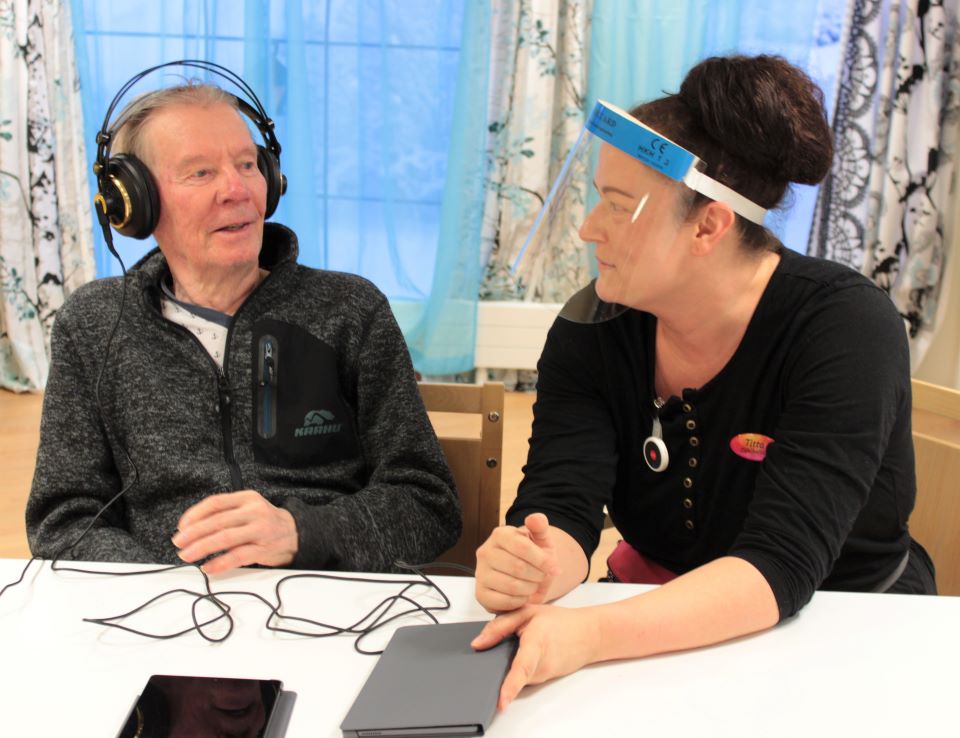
[316, 408]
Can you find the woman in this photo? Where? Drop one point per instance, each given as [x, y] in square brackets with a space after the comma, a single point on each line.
[746, 422]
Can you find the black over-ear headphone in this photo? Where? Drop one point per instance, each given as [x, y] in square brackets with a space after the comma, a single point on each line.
[127, 198]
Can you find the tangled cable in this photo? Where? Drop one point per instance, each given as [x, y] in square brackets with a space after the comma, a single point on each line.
[381, 614]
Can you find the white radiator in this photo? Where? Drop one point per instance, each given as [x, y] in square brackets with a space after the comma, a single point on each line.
[510, 335]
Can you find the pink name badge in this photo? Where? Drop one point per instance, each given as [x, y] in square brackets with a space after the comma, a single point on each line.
[750, 446]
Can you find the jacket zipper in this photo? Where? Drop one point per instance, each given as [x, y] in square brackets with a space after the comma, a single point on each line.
[267, 387]
[225, 400]
[225, 394]
[226, 427]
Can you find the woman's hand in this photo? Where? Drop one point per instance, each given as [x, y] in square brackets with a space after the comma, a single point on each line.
[724, 599]
[515, 566]
[554, 641]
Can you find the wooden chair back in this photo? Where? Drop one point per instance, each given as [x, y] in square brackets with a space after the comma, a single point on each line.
[935, 521]
[468, 419]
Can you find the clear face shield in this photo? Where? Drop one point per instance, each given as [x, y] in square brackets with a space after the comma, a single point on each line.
[630, 213]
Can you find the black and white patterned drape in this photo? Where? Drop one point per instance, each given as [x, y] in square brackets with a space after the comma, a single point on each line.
[884, 207]
[46, 245]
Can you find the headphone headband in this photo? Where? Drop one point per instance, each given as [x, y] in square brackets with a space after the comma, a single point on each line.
[254, 109]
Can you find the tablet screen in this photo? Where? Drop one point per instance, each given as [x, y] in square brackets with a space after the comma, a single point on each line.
[202, 707]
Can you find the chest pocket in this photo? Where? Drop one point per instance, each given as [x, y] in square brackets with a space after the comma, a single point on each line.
[300, 416]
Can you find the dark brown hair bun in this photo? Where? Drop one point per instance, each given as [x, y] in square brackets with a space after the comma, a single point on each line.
[757, 123]
[765, 111]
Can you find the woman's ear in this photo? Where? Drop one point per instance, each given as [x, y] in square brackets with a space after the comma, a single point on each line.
[714, 222]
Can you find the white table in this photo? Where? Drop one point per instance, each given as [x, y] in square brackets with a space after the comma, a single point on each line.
[849, 664]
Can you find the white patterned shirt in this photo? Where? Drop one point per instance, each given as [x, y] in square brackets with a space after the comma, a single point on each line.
[208, 325]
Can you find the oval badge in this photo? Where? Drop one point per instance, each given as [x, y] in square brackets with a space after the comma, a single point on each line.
[750, 446]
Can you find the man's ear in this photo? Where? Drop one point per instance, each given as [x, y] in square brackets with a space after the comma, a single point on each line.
[715, 221]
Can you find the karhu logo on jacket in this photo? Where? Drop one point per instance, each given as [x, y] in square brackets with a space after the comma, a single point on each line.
[317, 423]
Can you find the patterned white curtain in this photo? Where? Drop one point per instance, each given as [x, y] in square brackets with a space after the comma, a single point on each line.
[46, 248]
[537, 87]
[887, 209]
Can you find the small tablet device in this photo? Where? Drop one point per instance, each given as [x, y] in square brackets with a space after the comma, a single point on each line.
[208, 707]
[430, 682]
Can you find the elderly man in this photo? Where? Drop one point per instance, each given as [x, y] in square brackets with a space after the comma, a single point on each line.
[249, 410]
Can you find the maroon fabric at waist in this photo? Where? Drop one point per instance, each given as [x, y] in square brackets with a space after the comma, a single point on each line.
[629, 565]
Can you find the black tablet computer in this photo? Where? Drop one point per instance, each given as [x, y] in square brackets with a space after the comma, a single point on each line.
[171, 706]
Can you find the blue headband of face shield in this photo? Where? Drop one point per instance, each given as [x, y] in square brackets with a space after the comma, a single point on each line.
[564, 210]
[611, 125]
[658, 152]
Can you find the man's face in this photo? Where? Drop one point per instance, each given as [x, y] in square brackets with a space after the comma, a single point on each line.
[638, 251]
[212, 195]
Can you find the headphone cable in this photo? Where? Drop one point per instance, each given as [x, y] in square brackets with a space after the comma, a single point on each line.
[108, 237]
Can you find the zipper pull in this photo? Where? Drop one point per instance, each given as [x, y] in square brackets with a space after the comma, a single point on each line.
[268, 374]
[224, 387]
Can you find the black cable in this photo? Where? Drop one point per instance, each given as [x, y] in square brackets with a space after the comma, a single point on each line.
[23, 573]
[197, 626]
[108, 237]
[381, 614]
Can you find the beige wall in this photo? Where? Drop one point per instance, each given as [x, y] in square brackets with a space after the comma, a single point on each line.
[941, 364]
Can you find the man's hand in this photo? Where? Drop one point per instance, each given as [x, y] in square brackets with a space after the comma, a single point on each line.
[242, 526]
[554, 641]
[515, 566]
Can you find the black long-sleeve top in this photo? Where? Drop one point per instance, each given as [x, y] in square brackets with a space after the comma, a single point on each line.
[822, 369]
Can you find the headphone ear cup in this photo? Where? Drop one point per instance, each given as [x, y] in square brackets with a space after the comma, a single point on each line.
[269, 167]
[132, 201]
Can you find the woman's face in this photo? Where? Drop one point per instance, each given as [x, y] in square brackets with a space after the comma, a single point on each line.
[636, 229]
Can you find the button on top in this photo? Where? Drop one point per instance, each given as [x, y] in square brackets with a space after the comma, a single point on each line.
[687, 407]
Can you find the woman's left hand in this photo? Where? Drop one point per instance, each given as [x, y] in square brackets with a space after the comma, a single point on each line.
[554, 641]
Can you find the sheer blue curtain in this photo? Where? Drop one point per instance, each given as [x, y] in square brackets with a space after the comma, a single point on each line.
[442, 332]
[641, 49]
[363, 96]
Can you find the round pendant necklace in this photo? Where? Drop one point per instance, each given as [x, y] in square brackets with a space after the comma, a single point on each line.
[654, 449]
